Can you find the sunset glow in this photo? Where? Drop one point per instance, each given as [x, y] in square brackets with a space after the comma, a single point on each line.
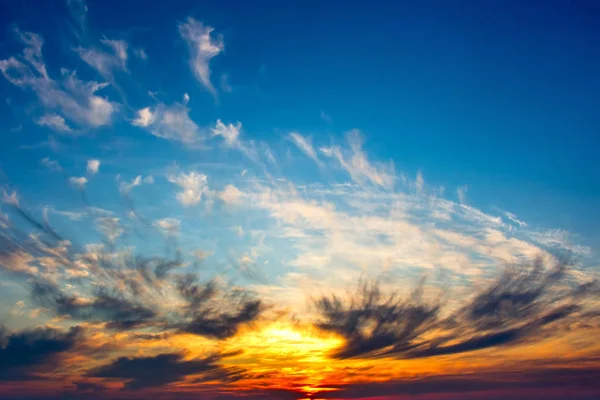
[284, 200]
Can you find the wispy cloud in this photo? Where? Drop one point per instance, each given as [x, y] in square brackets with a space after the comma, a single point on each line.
[171, 122]
[52, 165]
[106, 62]
[305, 145]
[202, 47]
[461, 192]
[54, 122]
[73, 98]
[229, 132]
[356, 163]
[125, 187]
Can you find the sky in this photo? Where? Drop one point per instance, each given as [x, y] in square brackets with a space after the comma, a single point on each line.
[299, 200]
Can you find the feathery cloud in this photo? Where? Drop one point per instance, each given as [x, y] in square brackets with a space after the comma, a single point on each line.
[305, 145]
[202, 48]
[54, 122]
[74, 99]
[171, 122]
[356, 163]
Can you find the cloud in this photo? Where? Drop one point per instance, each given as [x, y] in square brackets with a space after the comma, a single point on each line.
[229, 132]
[461, 192]
[202, 48]
[525, 303]
[104, 62]
[125, 187]
[420, 182]
[140, 53]
[159, 370]
[52, 165]
[23, 353]
[518, 382]
[54, 122]
[231, 135]
[231, 195]
[12, 198]
[169, 225]
[78, 10]
[194, 185]
[326, 117]
[75, 100]
[93, 167]
[305, 145]
[72, 215]
[78, 181]
[111, 308]
[169, 122]
[144, 118]
[225, 86]
[203, 319]
[356, 163]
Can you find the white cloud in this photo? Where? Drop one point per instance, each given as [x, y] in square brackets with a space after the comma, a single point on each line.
[561, 239]
[512, 217]
[12, 198]
[356, 163]
[50, 164]
[231, 195]
[169, 122]
[78, 181]
[144, 118]
[305, 145]
[231, 135]
[202, 48]
[33, 51]
[125, 187]
[54, 122]
[93, 166]
[74, 100]
[72, 215]
[106, 62]
[268, 153]
[420, 182]
[168, 225]
[229, 132]
[110, 227]
[194, 185]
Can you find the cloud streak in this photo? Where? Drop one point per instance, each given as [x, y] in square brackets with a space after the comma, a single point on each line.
[202, 48]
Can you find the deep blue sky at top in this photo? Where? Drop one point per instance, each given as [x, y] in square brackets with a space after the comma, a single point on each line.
[503, 96]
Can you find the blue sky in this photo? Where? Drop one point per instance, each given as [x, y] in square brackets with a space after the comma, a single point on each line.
[185, 184]
[497, 101]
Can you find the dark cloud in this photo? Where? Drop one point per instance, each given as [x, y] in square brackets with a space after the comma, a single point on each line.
[116, 311]
[204, 313]
[573, 382]
[160, 370]
[122, 289]
[29, 351]
[525, 303]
